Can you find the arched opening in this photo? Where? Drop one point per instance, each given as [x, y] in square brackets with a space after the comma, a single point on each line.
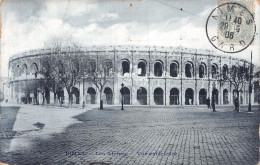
[215, 95]
[142, 96]
[141, 68]
[126, 92]
[91, 67]
[202, 71]
[188, 70]
[174, 96]
[109, 95]
[202, 96]
[107, 66]
[34, 70]
[91, 91]
[225, 96]
[24, 70]
[75, 92]
[125, 68]
[189, 96]
[225, 71]
[158, 69]
[75, 66]
[174, 69]
[17, 71]
[158, 96]
[214, 71]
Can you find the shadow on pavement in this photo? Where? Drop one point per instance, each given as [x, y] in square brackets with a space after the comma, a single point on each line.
[8, 118]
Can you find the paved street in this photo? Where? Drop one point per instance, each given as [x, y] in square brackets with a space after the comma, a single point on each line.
[138, 135]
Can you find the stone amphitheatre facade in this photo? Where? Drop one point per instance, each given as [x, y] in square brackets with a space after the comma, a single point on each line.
[151, 76]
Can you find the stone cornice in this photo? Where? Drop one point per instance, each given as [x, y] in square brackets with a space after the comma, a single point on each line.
[123, 48]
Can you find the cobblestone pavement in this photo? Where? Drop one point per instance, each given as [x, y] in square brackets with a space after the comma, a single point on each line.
[148, 135]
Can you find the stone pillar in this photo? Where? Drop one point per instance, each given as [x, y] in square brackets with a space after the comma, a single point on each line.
[51, 97]
[40, 98]
[66, 97]
[252, 96]
[148, 93]
[167, 94]
[97, 96]
[196, 96]
[230, 96]
[134, 96]
[19, 97]
[220, 95]
[12, 93]
[116, 94]
[81, 92]
[151, 96]
[164, 94]
[183, 96]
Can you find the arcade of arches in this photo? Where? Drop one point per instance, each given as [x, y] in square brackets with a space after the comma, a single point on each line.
[142, 96]
[155, 81]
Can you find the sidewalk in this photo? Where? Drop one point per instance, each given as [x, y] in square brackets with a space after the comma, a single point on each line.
[40, 121]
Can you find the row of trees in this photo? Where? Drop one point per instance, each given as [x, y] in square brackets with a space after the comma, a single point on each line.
[239, 76]
[64, 67]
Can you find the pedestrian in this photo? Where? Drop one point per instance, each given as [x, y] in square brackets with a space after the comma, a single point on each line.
[236, 104]
[208, 102]
[213, 104]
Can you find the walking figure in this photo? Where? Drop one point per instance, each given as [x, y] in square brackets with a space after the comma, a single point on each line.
[213, 104]
[208, 102]
[236, 104]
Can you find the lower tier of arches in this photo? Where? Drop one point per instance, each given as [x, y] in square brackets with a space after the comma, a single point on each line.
[141, 94]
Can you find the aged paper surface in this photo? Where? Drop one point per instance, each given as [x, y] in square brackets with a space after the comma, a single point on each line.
[129, 82]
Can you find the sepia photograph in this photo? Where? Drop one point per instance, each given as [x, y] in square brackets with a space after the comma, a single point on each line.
[129, 82]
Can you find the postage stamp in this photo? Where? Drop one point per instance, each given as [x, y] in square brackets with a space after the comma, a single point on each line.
[236, 22]
[234, 25]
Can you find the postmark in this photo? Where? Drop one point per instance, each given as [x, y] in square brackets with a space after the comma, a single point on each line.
[230, 27]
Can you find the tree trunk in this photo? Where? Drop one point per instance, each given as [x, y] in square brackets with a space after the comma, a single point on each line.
[238, 98]
[43, 99]
[36, 98]
[60, 99]
[55, 99]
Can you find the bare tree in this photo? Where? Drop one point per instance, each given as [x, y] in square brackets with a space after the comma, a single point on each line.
[64, 65]
[237, 75]
[48, 63]
[33, 87]
[100, 75]
[254, 75]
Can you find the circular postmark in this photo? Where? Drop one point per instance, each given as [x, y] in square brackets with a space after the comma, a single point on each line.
[230, 28]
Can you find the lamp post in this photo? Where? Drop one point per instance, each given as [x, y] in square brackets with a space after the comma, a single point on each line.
[122, 92]
[250, 85]
[83, 104]
[213, 102]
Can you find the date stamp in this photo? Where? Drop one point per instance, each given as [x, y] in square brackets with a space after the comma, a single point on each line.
[230, 27]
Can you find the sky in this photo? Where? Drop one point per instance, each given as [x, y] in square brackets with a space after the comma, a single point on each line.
[29, 24]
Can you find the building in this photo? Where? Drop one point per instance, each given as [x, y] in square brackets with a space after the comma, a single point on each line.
[4, 85]
[151, 76]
